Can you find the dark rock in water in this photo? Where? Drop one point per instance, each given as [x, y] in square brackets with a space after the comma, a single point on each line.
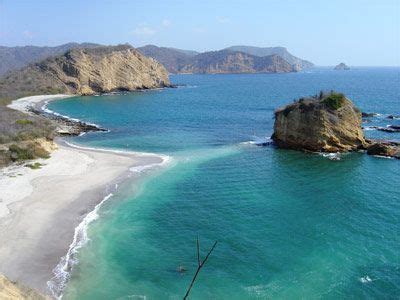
[368, 115]
[66, 126]
[390, 128]
[181, 269]
[392, 117]
[384, 149]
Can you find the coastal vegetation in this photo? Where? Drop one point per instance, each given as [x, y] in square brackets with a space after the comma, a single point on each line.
[334, 100]
[19, 136]
[34, 166]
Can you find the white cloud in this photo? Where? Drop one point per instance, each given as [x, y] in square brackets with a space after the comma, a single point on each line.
[166, 23]
[143, 30]
[223, 20]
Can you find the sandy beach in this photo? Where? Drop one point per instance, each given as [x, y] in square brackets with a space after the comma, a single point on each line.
[40, 208]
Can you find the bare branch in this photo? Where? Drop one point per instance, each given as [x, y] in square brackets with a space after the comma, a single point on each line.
[198, 252]
[200, 265]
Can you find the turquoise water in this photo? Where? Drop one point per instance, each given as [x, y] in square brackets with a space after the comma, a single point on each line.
[289, 225]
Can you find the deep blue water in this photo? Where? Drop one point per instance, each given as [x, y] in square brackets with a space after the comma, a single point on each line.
[289, 225]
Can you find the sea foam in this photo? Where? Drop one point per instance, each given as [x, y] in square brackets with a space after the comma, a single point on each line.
[62, 271]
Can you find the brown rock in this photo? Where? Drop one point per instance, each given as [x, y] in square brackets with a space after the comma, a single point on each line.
[384, 149]
[327, 123]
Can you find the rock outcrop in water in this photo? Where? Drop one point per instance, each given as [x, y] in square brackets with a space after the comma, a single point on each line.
[86, 72]
[342, 66]
[384, 148]
[328, 123]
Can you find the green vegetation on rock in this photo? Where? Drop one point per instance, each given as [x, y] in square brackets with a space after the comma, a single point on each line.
[23, 122]
[334, 100]
[34, 166]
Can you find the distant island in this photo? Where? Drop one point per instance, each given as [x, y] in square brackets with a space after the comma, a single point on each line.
[235, 59]
[342, 66]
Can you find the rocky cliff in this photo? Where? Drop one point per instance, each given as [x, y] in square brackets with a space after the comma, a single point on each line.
[328, 123]
[87, 71]
[236, 59]
[281, 51]
[226, 61]
[172, 59]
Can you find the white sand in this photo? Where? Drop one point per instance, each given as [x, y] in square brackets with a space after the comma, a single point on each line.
[22, 104]
[39, 209]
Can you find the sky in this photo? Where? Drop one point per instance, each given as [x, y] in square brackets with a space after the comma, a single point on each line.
[357, 32]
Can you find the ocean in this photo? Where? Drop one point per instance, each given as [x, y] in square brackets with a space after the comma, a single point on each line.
[289, 225]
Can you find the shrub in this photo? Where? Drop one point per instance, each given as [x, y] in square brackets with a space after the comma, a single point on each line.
[34, 166]
[334, 100]
[26, 152]
[23, 122]
[18, 153]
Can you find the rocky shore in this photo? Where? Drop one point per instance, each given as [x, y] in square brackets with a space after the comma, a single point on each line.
[328, 122]
[67, 126]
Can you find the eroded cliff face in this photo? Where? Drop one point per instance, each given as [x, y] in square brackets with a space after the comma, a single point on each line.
[106, 69]
[328, 123]
[86, 72]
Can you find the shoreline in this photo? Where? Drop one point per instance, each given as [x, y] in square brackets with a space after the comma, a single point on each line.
[65, 125]
[44, 213]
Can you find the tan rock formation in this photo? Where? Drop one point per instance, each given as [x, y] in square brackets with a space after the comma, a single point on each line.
[328, 123]
[86, 72]
[384, 148]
